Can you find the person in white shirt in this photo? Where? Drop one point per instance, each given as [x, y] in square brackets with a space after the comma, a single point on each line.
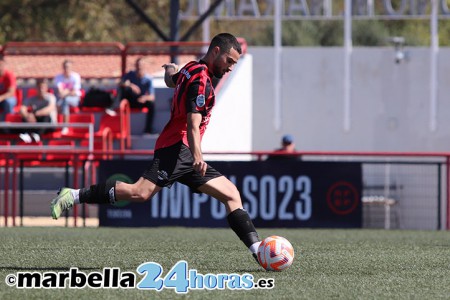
[68, 89]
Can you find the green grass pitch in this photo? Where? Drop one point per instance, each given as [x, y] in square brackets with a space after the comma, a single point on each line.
[329, 264]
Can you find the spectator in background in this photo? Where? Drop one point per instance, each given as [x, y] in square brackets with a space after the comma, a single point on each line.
[137, 87]
[287, 147]
[40, 108]
[7, 89]
[68, 89]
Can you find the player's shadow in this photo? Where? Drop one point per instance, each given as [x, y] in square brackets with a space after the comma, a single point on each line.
[12, 268]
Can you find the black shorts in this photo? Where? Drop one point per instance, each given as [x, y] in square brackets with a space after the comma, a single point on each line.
[174, 163]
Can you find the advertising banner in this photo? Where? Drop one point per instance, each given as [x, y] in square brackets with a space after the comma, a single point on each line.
[275, 194]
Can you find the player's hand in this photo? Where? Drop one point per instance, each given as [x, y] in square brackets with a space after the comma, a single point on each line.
[170, 66]
[200, 167]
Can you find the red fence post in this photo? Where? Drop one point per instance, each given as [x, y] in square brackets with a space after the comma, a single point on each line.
[6, 189]
[75, 185]
[447, 186]
[14, 193]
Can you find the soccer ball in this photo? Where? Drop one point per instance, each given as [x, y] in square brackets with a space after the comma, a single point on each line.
[275, 253]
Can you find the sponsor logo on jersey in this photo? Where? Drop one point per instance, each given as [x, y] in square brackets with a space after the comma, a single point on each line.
[186, 73]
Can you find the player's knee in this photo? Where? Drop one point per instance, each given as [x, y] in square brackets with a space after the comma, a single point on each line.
[233, 195]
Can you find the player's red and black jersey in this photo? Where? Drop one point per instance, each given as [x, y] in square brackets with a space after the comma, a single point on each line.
[194, 92]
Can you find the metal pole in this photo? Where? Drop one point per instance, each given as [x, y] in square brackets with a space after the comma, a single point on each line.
[91, 137]
[21, 187]
[447, 185]
[14, 194]
[370, 8]
[206, 25]
[75, 185]
[174, 25]
[277, 64]
[147, 20]
[347, 63]
[439, 223]
[433, 64]
[83, 181]
[66, 179]
[6, 163]
[6, 190]
[200, 20]
[328, 8]
[387, 186]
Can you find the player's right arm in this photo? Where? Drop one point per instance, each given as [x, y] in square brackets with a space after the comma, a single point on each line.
[170, 70]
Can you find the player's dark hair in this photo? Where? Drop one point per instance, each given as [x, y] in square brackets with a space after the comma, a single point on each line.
[2, 57]
[225, 41]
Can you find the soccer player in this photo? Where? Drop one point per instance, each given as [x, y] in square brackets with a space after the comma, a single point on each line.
[178, 154]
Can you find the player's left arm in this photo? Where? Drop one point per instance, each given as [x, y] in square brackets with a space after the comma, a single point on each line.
[193, 134]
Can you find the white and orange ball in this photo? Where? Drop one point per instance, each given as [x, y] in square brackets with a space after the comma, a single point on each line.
[275, 253]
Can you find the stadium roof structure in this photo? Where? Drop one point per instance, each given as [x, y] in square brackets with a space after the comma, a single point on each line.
[91, 60]
[31, 60]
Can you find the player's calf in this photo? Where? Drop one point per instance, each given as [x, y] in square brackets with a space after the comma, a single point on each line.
[242, 225]
[67, 197]
[98, 193]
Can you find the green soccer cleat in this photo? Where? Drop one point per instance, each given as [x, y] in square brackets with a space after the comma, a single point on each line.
[62, 202]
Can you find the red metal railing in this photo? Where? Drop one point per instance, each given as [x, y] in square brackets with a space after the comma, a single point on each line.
[11, 161]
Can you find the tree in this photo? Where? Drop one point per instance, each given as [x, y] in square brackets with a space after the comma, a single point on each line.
[115, 21]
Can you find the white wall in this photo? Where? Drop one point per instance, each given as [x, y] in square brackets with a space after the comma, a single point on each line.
[390, 105]
[390, 111]
[231, 124]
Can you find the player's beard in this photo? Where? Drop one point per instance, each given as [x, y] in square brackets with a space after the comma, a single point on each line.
[217, 71]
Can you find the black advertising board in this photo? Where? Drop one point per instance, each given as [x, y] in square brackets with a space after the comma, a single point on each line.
[275, 194]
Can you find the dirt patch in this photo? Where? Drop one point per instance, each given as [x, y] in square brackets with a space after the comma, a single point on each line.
[49, 222]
